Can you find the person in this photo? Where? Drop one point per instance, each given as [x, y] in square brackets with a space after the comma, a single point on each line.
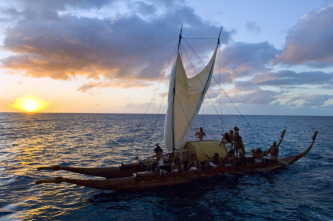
[230, 159]
[158, 161]
[177, 165]
[273, 151]
[225, 138]
[238, 144]
[258, 155]
[240, 148]
[236, 129]
[231, 136]
[215, 161]
[157, 148]
[194, 163]
[200, 134]
[227, 142]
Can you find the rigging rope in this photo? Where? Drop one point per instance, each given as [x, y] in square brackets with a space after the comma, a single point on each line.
[200, 38]
[202, 83]
[141, 121]
[248, 124]
[182, 108]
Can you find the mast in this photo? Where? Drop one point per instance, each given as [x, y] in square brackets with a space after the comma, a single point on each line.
[218, 40]
[174, 94]
[180, 36]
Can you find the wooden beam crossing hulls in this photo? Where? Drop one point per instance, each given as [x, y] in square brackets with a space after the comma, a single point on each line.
[152, 179]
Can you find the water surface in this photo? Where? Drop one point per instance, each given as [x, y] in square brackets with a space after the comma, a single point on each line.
[303, 191]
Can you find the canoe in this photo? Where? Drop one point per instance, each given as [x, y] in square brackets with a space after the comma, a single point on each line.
[151, 179]
[185, 98]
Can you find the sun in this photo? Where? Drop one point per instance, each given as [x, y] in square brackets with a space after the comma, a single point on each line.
[29, 104]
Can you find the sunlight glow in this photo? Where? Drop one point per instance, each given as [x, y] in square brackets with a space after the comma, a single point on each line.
[29, 104]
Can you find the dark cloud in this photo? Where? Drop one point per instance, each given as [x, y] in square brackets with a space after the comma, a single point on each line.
[285, 81]
[62, 4]
[124, 47]
[317, 100]
[246, 59]
[247, 67]
[145, 9]
[253, 27]
[289, 78]
[310, 40]
[9, 14]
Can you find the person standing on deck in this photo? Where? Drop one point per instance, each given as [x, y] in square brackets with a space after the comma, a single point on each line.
[200, 134]
[239, 145]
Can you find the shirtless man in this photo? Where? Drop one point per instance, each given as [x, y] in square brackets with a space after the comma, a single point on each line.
[274, 151]
[194, 164]
[200, 134]
[158, 161]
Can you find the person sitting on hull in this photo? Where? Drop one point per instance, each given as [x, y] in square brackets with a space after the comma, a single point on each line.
[214, 162]
[229, 159]
[194, 164]
[258, 155]
[158, 161]
[200, 134]
[273, 151]
[177, 165]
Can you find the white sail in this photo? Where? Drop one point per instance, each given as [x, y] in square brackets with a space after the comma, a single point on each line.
[184, 101]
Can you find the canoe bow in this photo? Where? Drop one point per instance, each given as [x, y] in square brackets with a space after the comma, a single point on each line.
[290, 160]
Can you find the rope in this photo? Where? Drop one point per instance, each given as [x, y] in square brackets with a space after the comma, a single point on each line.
[141, 121]
[158, 113]
[202, 84]
[200, 38]
[248, 124]
[188, 122]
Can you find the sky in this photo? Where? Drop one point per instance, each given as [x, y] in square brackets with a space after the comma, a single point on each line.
[112, 56]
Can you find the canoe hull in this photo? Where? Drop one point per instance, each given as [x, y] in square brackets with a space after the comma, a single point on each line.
[125, 180]
[152, 179]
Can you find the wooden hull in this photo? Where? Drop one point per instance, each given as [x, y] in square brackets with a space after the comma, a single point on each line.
[146, 180]
[124, 170]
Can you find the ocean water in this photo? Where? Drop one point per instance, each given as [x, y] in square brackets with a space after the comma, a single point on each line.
[302, 191]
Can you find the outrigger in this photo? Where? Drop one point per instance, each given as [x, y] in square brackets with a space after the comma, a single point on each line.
[184, 101]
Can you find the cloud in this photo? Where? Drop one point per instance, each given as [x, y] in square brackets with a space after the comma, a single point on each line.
[313, 100]
[113, 83]
[245, 66]
[253, 27]
[310, 40]
[121, 46]
[246, 59]
[256, 96]
[288, 78]
[62, 4]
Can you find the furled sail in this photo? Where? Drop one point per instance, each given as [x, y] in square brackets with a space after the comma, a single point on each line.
[184, 101]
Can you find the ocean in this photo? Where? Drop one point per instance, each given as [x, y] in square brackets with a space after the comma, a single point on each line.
[302, 191]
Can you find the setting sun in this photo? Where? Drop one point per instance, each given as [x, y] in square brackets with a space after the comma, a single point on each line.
[29, 104]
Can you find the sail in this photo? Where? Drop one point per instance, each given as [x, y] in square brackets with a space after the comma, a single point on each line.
[184, 101]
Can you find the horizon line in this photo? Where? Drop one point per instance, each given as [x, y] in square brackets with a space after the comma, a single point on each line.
[22, 112]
